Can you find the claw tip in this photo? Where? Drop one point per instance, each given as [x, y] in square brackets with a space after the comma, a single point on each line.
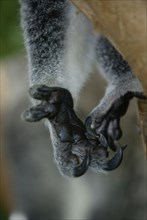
[82, 168]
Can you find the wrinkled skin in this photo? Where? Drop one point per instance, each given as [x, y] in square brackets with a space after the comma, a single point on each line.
[79, 149]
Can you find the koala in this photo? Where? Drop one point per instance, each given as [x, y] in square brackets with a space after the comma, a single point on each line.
[63, 49]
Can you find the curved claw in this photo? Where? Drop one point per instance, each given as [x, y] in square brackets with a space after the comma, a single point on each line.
[82, 168]
[103, 141]
[89, 129]
[116, 160]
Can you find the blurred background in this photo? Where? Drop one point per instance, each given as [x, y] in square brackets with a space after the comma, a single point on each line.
[30, 185]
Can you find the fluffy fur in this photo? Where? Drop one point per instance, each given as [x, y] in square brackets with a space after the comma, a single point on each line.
[62, 50]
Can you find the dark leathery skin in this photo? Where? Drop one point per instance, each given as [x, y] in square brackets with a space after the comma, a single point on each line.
[81, 149]
[109, 123]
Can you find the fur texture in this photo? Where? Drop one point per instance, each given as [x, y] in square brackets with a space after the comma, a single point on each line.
[63, 49]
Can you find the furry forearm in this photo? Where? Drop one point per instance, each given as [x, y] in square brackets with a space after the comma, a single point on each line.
[44, 23]
[115, 69]
[111, 63]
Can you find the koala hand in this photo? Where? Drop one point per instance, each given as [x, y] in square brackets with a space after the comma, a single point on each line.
[105, 118]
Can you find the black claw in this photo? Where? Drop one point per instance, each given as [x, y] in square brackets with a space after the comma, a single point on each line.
[89, 130]
[113, 163]
[103, 141]
[82, 168]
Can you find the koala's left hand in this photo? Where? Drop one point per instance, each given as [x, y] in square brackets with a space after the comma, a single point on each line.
[108, 122]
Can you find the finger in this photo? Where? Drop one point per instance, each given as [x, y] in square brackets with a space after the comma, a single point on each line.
[33, 114]
[119, 108]
[139, 95]
[102, 128]
[50, 94]
[39, 112]
[130, 95]
[114, 130]
[40, 92]
[111, 143]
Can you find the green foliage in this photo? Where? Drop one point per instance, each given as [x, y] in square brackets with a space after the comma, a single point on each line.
[10, 32]
[3, 215]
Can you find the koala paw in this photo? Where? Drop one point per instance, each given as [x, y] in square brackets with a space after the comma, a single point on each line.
[76, 150]
[108, 122]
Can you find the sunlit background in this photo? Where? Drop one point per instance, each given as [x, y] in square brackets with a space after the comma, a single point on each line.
[30, 184]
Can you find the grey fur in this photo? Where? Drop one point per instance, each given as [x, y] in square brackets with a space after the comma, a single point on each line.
[117, 72]
[50, 28]
[44, 24]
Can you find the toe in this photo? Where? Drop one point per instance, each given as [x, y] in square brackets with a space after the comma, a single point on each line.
[40, 92]
[33, 114]
[114, 130]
